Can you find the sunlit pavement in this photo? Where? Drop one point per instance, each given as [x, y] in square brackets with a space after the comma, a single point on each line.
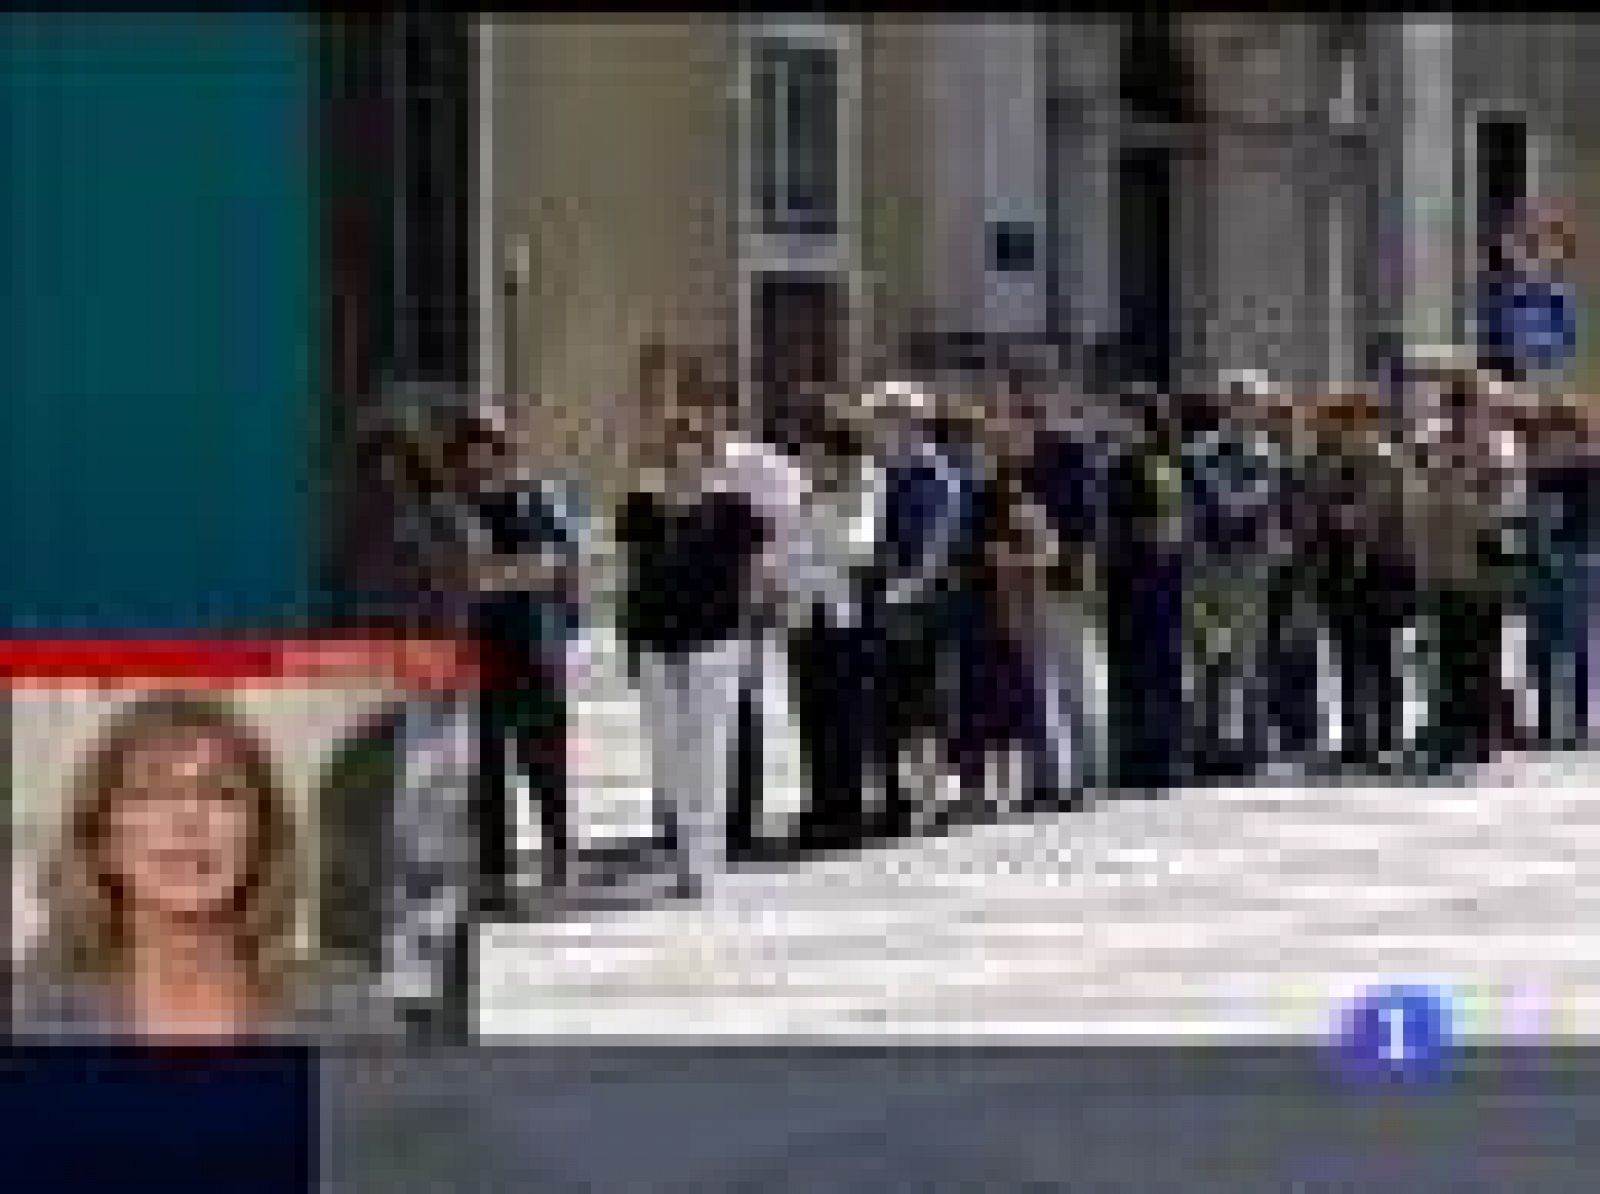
[1212, 913]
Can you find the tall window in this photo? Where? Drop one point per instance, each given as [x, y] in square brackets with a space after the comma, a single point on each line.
[796, 97]
[800, 336]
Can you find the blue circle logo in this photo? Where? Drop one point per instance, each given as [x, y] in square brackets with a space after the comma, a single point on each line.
[1395, 1033]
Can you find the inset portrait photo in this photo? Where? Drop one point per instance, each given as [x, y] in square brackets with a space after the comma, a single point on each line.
[213, 859]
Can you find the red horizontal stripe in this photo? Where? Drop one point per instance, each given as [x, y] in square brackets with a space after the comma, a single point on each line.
[407, 663]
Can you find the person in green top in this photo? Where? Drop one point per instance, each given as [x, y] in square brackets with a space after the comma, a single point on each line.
[1145, 591]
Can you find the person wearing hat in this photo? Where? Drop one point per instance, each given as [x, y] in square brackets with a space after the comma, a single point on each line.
[828, 650]
[921, 502]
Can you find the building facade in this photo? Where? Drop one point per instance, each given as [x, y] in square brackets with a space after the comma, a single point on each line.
[1170, 198]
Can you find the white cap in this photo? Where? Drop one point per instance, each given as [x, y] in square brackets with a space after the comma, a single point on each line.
[1252, 382]
[903, 396]
[492, 414]
[1442, 356]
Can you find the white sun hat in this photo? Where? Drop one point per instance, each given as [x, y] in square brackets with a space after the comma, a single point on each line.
[903, 396]
[1253, 383]
[1445, 357]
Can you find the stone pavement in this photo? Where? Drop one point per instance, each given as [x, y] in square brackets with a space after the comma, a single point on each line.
[1207, 913]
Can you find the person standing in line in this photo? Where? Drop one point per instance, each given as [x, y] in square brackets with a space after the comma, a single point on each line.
[828, 650]
[1510, 563]
[1144, 578]
[1064, 474]
[691, 549]
[919, 510]
[1363, 578]
[1265, 493]
[1230, 485]
[1587, 593]
[767, 470]
[1001, 742]
[1563, 497]
[427, 903]
[523, 559]
[1455, 508]
[1528, 332]
[1291, 633]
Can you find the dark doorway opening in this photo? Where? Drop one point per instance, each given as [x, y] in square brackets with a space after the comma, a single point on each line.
[800, 339]
[1145, 265]
[1502, 181]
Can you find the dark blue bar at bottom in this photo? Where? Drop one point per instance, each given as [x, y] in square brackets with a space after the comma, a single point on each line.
[90, 1118]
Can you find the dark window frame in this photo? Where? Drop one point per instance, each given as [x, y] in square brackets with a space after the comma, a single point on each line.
[818, 70]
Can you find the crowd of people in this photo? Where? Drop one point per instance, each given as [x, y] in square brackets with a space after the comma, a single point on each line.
[1028, 590]
[956, 578]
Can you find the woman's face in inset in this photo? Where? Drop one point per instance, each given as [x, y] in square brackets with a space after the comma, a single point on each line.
[179, 831]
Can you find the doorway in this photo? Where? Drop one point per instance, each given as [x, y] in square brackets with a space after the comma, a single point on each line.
[1145, 265]
[800, 329]
[1500, 148]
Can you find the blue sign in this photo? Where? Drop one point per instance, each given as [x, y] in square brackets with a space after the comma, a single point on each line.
[1530, 321]
[1395, 1033]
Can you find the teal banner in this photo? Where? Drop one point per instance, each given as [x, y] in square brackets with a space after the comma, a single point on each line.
[160, 353]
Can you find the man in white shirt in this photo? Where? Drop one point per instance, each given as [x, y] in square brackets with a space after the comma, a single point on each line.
[919, 513]
[775, 486]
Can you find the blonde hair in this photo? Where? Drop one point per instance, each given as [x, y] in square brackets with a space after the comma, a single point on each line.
[87, 933]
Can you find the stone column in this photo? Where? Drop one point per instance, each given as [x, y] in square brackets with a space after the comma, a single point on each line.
[1085, 85]
[1428, 176]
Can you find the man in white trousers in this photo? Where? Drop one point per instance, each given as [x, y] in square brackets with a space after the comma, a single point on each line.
[692, 545]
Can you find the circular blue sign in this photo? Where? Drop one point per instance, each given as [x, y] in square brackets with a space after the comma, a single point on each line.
[1395, 1033]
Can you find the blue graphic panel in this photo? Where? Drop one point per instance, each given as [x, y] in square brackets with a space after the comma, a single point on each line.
[157, 293]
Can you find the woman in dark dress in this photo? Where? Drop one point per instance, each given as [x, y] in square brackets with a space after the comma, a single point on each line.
[828, 648]
[1000, 710]
[1144, 585]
